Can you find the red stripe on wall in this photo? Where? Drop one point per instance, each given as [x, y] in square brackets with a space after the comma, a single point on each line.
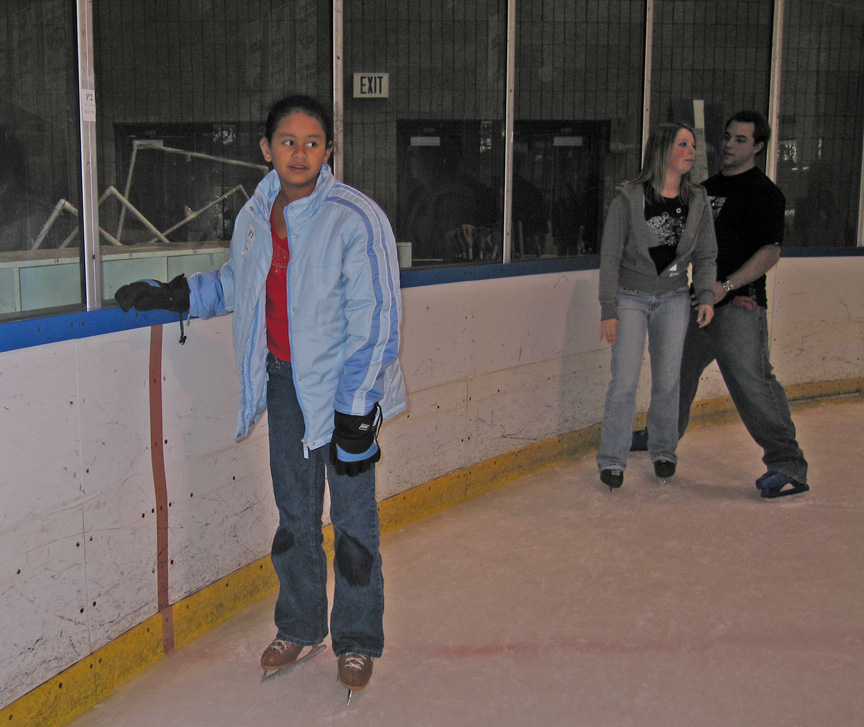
[157, 458]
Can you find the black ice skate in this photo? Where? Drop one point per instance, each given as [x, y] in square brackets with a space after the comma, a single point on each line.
[778, 484]
[639, 441]
[612, 478]
[664, 469]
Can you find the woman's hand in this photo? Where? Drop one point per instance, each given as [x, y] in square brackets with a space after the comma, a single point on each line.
[609, 330]
[705, 314]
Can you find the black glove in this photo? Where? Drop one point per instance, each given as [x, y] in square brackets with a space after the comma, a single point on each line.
[354, 447]
[147, 295]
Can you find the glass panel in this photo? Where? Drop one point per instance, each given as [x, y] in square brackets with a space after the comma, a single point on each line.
[183, 91]
[558, 172]
[821, 121]
[183, 185]
[710, 59]
[446, 204]
[40, 187]
[439, 127]
[578, 120]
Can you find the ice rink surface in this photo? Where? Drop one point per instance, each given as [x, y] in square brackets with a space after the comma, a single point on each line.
[551, 601]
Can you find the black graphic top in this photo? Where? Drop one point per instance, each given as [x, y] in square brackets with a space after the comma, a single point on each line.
[749, 213]
[667, 219]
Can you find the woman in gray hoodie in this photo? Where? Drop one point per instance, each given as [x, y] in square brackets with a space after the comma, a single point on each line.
[658, 225]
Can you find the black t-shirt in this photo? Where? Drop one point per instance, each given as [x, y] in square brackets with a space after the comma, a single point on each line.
[749, 213]
[667, 218]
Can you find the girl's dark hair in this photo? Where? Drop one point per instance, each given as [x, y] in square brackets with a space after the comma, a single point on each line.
[305, 104]
[657, 152]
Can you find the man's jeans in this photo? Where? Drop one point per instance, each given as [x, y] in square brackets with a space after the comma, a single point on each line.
[298, 556]
[738, 340]
[663, 316]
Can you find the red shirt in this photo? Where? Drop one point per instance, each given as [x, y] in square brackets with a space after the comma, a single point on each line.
[277, 298]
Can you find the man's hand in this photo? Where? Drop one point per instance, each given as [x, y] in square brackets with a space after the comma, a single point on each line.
[758, 265]
[745, 302]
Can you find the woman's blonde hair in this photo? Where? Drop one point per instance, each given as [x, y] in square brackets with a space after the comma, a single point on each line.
[657, 152]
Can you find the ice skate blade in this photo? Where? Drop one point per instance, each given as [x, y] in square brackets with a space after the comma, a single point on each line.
[269, 674]
[350, 694]
[350, 690]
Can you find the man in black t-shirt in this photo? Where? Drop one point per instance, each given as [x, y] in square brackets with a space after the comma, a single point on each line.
[748, 217]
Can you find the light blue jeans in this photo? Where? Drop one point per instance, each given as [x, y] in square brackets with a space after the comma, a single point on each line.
[356, 621]
[663, 318]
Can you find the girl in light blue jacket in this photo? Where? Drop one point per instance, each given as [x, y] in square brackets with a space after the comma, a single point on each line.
[313, 282]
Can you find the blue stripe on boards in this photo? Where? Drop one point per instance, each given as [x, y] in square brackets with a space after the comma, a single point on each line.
[81, 324]
[45, 328]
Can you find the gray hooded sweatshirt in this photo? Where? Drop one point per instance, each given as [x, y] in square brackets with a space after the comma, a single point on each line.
[626, 263]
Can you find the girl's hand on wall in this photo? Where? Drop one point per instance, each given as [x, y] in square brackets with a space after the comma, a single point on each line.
[609, 330]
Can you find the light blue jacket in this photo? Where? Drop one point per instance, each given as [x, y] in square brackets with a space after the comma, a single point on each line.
[344, 304]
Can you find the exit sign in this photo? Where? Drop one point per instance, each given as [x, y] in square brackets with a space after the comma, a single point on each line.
[371, 85]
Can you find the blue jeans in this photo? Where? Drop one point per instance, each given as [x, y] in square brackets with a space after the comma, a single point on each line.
[663, 317]
[738, 340]
[356, 621]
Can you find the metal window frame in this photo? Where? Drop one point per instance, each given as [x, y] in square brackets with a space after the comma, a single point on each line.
[509, 112]
[646, 75]
[92, 261]
[772, 156]
[774, 87]
[338, 88]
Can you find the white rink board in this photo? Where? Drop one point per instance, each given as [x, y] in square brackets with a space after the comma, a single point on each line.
[816, 320]
[41, 469]
[490, 366]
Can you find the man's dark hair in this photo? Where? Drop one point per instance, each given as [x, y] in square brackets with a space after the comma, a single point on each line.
[761, 127]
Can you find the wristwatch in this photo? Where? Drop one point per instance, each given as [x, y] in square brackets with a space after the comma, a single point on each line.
[727, 286]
